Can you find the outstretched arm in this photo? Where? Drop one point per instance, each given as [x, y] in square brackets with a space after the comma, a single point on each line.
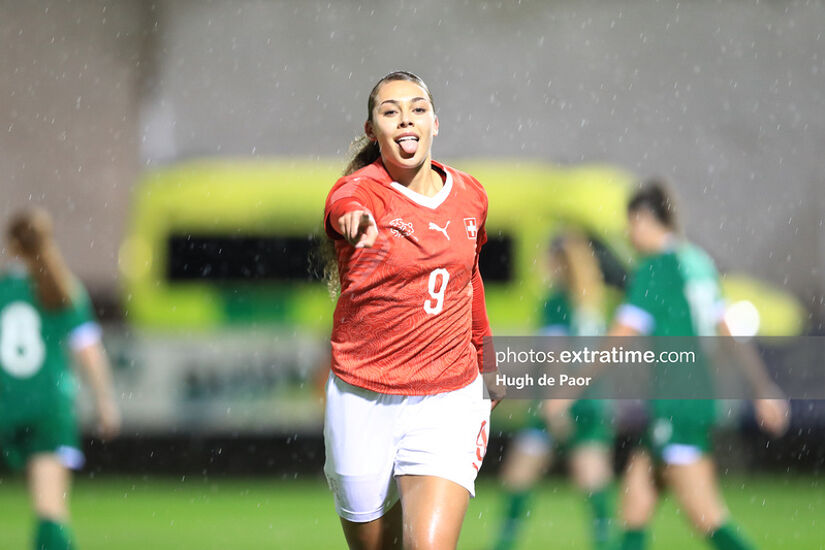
[348, 215]
[357, 227]
[773, 415]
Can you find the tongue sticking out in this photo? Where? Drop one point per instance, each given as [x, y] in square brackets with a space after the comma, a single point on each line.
[409, 146]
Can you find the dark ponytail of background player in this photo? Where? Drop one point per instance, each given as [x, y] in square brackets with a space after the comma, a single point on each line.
[30, 233]
[655, 196]
[366, 152]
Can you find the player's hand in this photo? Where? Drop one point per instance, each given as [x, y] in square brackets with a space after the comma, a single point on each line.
[773, 415]
[358, 228]
[108, 418]
[556, 414]
[496, 393]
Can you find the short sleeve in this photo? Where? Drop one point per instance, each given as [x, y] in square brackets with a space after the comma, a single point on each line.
[79, 322]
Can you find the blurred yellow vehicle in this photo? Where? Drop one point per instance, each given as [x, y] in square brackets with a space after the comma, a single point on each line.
[218, 243]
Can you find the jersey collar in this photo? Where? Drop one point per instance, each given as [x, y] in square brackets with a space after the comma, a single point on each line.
[429, 202]
[671, 243]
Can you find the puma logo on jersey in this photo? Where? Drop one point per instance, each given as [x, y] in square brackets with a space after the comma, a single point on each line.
[471, 227]
[442, 230]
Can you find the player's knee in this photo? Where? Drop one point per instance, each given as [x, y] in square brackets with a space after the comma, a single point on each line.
[427, 544]
[637, 509]
[707, 521]
[522, 479]
[427, 539]
[57, 512]
[637, 518]
[51, 505]
[593, 476]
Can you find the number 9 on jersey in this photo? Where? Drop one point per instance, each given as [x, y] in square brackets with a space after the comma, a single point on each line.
[435, 304]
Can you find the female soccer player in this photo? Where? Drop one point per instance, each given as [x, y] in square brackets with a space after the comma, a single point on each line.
[576, 307]
[675, 292]
[45, 318]
[406, 422]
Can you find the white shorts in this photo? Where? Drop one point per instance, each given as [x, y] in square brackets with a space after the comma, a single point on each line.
[371, 438]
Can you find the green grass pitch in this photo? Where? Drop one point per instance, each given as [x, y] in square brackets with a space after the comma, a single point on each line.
[173, 513]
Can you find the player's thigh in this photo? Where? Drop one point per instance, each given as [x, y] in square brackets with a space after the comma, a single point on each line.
[528, 458]
[591, 466]
[384, 533]
[444, 442]
[590, 448]
[697, 492]
[49, 481]
[638, 493]
[433, 512]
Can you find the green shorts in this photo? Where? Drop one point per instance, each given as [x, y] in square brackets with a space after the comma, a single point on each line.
[54, 431]
[592, 423]
[680, 431]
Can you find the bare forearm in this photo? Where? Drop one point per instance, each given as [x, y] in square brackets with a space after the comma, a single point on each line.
[750, 364]
[94, 365]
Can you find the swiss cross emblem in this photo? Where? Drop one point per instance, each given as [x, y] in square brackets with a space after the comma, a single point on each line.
[400, 228]
[471, 227]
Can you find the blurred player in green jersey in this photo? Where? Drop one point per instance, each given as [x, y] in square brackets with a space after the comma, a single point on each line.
[575, 307]
[46, 320]
[675, 292]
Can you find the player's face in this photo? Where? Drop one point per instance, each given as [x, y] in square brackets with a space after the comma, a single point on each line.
[643, 230]
[403, 123]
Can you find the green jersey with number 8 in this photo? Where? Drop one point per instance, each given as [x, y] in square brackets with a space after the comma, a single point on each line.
[35, 344]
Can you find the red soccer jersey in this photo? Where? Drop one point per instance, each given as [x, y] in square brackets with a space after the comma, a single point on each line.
[405, 322]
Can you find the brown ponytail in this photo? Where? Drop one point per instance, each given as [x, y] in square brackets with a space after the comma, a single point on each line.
[366, 152]
[30, 234]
